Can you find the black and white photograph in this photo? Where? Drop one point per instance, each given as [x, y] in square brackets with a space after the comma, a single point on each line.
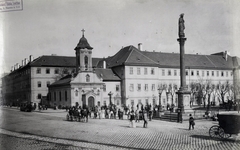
[119, 74]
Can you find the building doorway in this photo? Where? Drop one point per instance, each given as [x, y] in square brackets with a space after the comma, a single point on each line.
[91, 102]
[83, 100]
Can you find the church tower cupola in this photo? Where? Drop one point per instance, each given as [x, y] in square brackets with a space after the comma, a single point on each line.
[83, 55]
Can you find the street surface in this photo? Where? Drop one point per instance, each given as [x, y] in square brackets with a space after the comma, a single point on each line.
[49, 129]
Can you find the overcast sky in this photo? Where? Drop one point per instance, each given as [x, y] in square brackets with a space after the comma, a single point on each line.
[46, 27]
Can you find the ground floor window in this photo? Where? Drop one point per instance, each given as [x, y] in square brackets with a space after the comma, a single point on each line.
[132, 102]
[39, 96]
[65, 95]
[154, 102]
[146, 101]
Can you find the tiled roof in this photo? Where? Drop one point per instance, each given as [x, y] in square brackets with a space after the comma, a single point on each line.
[108, 61]
[95, 62]
[191, 60]
[107, 74]
[130, 55]
[172, 60]
[63, 81]
[59, 61]
[56, 61]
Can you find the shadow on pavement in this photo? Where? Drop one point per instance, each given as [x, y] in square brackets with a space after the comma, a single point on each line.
[215, 139]
[183, 129]
[206, 137]
[127, 126]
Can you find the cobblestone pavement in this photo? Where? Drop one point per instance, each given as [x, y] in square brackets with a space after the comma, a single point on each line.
[17, 141]
[114, 134]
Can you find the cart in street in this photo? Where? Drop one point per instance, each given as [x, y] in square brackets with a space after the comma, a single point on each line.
[229, 123]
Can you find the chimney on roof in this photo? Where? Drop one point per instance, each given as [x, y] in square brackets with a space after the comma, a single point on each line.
[140, 46]
[25, 61]
[16, 66]
[30, 58]
[104, 63]
[225, 55]
[22, 62]
[12, 68]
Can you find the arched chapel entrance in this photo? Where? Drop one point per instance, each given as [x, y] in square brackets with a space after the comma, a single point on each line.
[91, 102]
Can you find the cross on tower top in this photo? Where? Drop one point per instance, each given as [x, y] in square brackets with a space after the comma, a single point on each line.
[83, 31]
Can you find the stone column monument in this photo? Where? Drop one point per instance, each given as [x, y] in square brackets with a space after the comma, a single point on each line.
[183, 93]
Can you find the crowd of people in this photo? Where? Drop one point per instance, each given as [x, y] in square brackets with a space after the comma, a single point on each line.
[141, 112]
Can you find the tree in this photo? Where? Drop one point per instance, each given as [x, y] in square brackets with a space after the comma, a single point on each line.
[230, 91]
[172, 88]
[214, 93]
[222, 89]
[193, 90]
[161, 88]
[202, 88]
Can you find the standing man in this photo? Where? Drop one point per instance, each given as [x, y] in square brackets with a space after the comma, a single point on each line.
[191, 122]
[145, 118]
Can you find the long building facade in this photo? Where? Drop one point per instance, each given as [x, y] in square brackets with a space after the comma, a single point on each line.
[130, 77]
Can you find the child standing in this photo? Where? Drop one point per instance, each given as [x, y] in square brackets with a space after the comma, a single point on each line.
[191, 122]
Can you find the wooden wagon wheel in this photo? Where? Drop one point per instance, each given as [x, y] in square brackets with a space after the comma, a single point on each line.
[214, 131]
[222, 134]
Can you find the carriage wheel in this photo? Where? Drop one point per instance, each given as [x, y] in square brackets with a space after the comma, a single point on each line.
[222, 134]
[214, 131]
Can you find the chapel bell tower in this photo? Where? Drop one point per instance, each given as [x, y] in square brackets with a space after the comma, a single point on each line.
[83, 55]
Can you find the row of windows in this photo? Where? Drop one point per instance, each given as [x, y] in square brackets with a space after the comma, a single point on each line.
[117, 88]
[39, 84]
[56, 71]
[212, 73]
[174, 72]
[152, 71]
[61, 95]
[139, 87]
[146, 102]
[19, 74]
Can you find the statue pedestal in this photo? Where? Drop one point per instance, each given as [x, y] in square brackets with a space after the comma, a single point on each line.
[183, 104]
[184, 100]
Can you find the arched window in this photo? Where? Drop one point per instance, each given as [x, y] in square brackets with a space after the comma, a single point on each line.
[86, 62]
[87, 78]
[76, 92]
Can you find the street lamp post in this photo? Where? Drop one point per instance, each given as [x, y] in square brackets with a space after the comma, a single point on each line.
[110, 97]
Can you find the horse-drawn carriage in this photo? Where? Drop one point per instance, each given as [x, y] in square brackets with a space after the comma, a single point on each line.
[229, 123]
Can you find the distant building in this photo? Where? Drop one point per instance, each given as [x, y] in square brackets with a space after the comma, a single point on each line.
[130, 77]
